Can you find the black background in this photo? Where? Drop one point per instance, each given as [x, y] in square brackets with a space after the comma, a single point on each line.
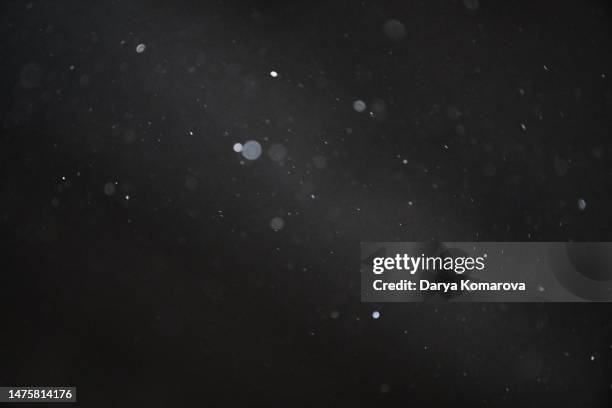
[184, 293]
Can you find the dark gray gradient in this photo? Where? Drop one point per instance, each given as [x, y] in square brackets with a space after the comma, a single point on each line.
[144, 255]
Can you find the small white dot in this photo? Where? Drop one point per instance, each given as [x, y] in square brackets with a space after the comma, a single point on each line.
[376, 315]
[273, 74]
[127, 197]
[140, 48]
[237, 147]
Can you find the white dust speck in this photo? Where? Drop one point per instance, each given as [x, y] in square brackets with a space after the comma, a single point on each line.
[375, 315]
[237, 147]
[140, 48]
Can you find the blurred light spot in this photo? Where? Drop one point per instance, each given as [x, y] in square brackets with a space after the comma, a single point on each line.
[378, 109]
[251, 150]
[394, 29]
[191, 183]
[359, 106]
[471, 4]
[277, 223]
[489, 170]
[109, 189]
[31, 75]
[320, 162]
[277, 152]
[561, 166]
[453, 113]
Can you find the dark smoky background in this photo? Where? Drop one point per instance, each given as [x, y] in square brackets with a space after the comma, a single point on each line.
[185, 186]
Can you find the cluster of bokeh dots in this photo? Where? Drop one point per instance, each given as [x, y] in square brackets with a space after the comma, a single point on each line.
[250, 150]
